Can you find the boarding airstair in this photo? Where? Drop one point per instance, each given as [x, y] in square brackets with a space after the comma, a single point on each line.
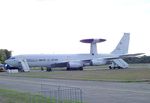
[24, 65]
[118, 63]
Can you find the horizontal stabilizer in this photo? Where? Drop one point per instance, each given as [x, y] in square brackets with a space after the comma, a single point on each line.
[131, 55]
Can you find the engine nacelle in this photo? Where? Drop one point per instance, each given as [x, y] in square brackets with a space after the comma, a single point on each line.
[96, 62]
[75, 64]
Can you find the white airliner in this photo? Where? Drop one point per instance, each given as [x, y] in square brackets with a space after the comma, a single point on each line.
[75, 61]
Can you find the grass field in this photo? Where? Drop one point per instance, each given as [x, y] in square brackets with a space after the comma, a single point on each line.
[136, 73]
[12, 96]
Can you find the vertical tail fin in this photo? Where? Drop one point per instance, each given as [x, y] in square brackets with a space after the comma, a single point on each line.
[123, 45]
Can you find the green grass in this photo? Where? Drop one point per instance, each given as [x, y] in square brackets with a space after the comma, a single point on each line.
[136, 73]
[12, 96]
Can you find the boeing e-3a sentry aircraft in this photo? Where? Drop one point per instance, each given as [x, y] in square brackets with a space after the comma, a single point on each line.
[75, 61]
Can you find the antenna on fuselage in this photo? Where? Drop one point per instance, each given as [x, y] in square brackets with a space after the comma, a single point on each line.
[93, 42]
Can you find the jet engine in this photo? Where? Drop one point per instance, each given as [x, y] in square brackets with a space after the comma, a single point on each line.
[75, 65]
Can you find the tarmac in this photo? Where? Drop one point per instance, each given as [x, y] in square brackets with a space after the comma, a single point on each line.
[93, 91]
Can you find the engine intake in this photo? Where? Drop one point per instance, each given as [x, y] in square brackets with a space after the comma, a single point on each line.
[75, 64]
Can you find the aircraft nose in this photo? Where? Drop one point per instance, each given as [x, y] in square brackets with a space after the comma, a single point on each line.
[8, 61]
[11, 62]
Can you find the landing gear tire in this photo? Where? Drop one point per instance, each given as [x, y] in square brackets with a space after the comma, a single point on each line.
[49, 69]
[68, 69]
[81, 68]
[42, 69]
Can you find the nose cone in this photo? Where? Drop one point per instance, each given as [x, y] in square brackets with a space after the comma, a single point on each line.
[11, 62]
[7, 61]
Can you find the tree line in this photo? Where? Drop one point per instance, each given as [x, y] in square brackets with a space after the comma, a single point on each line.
[4, 54]
[142, 59]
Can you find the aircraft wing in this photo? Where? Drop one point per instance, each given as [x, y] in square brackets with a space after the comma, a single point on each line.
[122, 56]
[131, 55]
[88, 61]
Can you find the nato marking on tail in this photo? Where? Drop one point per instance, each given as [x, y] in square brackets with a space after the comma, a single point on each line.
[123, 45]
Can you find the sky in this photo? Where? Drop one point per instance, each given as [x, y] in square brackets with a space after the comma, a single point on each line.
[56, 26]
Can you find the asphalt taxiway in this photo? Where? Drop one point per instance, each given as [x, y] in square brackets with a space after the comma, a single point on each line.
[93, 91]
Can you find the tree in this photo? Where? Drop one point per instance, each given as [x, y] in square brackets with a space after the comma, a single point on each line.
[4, 54]
[142, 59]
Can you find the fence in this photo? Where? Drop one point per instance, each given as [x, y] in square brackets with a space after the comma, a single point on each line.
[45, 94]
[61, 94]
